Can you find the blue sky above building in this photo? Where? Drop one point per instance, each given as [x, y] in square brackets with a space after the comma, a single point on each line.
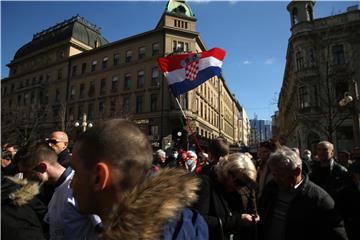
[254, 34]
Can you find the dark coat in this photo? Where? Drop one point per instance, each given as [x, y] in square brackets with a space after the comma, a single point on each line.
[21, 212]
[222, 210]
[311, 214]
[332, 179]
[349, 206]
[64, 158]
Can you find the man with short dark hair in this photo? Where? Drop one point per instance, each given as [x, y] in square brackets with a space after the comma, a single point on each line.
[8, 167]
[264, 175]
[64, 220]
[294, 208]
[111, 161]
[59, 142]
[218, 147]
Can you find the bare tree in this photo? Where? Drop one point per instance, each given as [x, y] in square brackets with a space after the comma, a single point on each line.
[23, 124]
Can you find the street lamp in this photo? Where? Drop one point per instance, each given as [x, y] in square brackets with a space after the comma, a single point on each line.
[84, 124]
[355, 100]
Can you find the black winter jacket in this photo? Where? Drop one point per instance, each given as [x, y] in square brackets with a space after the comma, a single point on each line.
[311, 214]
[21, 213]
[222, 210]
[64, 158]
[332, 179]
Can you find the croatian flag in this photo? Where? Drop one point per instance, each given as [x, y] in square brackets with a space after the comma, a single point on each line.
[187, 71]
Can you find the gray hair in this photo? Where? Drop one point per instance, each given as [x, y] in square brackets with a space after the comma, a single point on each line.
[160, 153]
[236, 163]
[285, 158]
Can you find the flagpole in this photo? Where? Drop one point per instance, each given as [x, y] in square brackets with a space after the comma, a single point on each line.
[189, 127]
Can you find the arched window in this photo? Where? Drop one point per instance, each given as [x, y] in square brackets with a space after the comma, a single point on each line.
[309, 12]
[303, 97]
[299, 60]
[295, 19]
[180, 9]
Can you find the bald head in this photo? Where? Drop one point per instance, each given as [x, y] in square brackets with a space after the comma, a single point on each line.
[325, 151]
[58, 141]
[62, 136]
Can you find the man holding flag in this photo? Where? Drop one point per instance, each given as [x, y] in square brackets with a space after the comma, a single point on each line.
[185, 72]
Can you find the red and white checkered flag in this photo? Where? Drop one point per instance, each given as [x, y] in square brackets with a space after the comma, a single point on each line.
[191, 70]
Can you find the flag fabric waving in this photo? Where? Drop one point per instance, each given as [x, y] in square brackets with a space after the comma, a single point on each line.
[187, 71]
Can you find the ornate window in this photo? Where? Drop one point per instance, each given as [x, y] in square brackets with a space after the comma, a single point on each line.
[114, 84]
[128, 56]
[141, 52]
[138, 104]
[93, 65]
[116, 59]
[338, 54]
[299, 60]
[127, 81]
[155, 76]
[303, 97]
[104, 62]
[140, 79]
[155, 49]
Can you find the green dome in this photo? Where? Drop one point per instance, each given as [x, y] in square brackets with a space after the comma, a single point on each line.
[179, 7]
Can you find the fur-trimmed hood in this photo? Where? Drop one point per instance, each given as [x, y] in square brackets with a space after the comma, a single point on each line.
[149, 207]
[18, 192]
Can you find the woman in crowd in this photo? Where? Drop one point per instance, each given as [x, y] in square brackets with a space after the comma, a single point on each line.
[227, 198]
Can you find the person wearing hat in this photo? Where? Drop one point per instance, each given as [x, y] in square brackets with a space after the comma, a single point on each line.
[349, 203]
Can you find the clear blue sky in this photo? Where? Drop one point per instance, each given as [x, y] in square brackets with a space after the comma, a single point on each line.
[254, 34]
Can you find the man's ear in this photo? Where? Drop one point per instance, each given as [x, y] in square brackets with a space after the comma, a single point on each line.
[41, 167]
[102, 179]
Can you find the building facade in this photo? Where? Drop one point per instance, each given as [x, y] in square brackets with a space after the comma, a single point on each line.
[244, 129]
[70, 70]
[322, 66]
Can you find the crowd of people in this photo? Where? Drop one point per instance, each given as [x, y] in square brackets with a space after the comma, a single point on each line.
[113, 185]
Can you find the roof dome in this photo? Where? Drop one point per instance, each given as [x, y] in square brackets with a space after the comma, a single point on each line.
[179, 7]
[76, 27]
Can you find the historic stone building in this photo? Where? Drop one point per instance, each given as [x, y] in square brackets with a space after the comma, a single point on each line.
[70, 70]
[322, 66]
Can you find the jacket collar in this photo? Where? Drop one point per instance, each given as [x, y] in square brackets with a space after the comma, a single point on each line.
[147, 208]
[63, 177]
[18, 191]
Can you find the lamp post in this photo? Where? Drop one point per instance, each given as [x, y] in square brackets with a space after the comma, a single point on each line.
[84, 123]
[355, 101]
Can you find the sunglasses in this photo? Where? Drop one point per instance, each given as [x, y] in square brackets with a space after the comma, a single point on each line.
[240, 183]
[53, 141]
[237, 181]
